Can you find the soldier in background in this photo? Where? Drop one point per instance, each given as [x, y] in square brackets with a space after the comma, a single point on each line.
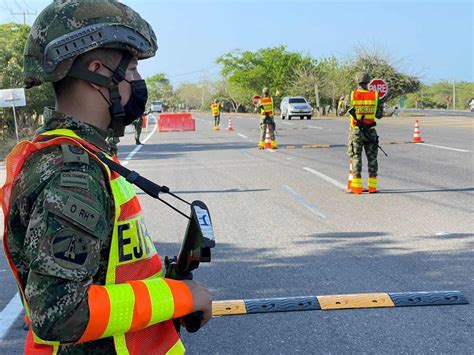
[88, 272]
[367, 107]
[266, 108]
[138, 123]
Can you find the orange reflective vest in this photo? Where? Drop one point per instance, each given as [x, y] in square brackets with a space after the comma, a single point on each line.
[365, 103]
[215, 108]
[136, 304]
[267, 106]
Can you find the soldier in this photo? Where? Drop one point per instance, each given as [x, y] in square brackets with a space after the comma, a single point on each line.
[138, 123]
[265, 105]
[367, 107]
[87, 270]
[216, 113]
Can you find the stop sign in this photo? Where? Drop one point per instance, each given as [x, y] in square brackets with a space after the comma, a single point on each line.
[379, 85]
[255, 99]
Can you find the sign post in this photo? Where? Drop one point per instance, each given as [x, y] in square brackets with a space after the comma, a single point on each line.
[13, 98]
[379, 85]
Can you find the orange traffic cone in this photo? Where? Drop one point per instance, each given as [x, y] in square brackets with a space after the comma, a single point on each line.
[349, 180]
[416, 134]
[229, 125]
[268, 141]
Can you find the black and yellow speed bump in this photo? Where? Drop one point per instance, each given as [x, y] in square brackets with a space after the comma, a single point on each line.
[334, 302]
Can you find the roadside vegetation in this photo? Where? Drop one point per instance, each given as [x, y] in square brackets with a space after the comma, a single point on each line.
[243, 74]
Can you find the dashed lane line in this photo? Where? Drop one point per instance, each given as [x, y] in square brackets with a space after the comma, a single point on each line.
[242, 135]
[305, 203]
[443, 147]
[325, 178]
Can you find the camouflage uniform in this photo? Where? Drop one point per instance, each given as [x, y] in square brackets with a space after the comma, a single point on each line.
[113, 142]
[357, 142]
[138, 129]
[57, 255]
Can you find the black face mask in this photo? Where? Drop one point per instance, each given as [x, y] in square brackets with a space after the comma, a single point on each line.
[135, 106]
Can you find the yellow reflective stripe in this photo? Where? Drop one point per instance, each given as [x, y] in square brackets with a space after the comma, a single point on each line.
[121, 345]
[122, 301]
[372, 182]
[122, 190]
[54, 344]
[162, 302]
[356, 182]
[61, 132]
[177, 349]
[364, 102]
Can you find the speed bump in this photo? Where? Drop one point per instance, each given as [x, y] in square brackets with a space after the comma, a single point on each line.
[337, 302]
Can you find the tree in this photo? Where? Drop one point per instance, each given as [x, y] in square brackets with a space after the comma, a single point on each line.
[160, 88]
[379, 65]
[273, 67]
[234, 94]
[12, 42]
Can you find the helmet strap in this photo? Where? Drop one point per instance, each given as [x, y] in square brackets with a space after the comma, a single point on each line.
[115, 106]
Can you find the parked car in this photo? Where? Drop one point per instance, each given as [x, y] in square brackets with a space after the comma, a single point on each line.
[292, 106]
[156, 106]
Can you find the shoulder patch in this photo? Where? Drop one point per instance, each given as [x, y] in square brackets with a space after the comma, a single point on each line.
[73, 154]
[64, 204]
[72, 250]
[81, 213]
[75, 179]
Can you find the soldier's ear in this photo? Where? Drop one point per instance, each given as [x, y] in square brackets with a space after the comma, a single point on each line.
[96, 66]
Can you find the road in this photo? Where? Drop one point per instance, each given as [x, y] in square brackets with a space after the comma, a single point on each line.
[437, 113]
[285, 227]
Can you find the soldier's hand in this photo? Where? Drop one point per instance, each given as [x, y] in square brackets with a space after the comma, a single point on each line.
[202, 299]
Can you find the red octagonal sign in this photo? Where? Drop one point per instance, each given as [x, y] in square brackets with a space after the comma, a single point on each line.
[255, 99]
[379, 85]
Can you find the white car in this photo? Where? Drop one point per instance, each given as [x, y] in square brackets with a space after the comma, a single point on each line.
[156, 106]
[292, 106]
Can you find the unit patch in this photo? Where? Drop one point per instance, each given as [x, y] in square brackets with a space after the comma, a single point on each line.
[74, 179]
[70, 249]
[73, 154]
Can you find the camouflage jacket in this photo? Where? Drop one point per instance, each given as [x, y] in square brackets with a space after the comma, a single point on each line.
[55, 272]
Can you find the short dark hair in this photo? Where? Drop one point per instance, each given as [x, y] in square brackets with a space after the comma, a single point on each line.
[110, 57]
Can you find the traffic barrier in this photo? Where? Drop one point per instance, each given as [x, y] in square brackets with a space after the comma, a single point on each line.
[229, 125]
[176, 122]
[416, 134]
[349, 180]
[268, 141]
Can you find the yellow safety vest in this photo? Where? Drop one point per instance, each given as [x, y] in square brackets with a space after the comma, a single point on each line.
[365, 103]
[215, 108]
[136, 304]
[267, 106]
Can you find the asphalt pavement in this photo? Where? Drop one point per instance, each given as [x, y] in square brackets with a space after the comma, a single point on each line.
[285, 226]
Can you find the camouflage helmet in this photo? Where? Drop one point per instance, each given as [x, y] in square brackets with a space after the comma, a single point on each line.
[266, 91]
[68, 28]
[362, 78]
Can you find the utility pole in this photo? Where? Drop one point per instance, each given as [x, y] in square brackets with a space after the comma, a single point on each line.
[454, 95]
[24, 13]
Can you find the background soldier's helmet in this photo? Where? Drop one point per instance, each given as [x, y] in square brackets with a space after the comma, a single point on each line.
[68, 28]
[362, 78]
[266, 91]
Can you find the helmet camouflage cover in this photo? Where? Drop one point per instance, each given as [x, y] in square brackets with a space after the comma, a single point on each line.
[362, 78]
[68, 28]
[266, 90]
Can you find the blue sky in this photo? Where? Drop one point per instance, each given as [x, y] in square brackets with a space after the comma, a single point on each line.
[430, 39]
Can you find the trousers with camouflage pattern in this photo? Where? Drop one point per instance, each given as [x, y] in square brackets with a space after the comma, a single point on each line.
[357, 142]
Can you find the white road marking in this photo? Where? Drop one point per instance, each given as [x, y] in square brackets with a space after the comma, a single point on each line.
[325, 178]
[270, 150]
[442, 147]
[242, 135]
[305, 203]
[9, 314]
[138, 147]
[315, 127]
[288, 123]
